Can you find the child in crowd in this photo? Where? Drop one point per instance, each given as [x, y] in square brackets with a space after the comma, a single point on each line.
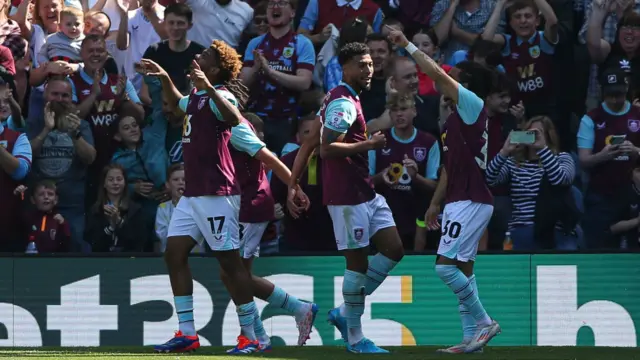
[427, 42]
[65, 44]
[47, 230]
[10, 112]
[175, 187]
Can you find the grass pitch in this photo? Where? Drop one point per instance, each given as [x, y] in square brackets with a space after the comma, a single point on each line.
[328, 353]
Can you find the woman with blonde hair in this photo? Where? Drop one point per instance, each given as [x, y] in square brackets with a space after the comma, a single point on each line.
[545, 213]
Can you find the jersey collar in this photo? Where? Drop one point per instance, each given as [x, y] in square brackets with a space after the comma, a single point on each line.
[89, 80]
[353, 92]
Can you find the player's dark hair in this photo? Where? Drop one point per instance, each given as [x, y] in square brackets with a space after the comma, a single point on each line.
[179, 9]
[92, 38]
[480, 79]
[353, 30]
[380, 37]
[230, 66]
[351, 50]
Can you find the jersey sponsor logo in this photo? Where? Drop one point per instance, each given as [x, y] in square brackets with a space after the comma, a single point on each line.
[105, 106]
[419, 153]
[399, 177]
[623, 157]
[534, 51]
[358, 233]
[336, 119]
[104, 119]
[287, 52]
[634, 125]
[530, 82]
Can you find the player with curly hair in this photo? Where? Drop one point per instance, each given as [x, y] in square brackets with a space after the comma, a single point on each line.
[209, 208]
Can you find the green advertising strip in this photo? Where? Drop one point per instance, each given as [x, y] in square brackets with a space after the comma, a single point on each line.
[538, 300]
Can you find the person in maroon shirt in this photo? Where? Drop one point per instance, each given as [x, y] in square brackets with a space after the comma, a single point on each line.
[47, 229]
[209, 209]
[468, 202]
[359, 215]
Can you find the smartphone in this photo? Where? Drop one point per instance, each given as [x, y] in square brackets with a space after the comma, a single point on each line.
[523, 137]
[618, 139]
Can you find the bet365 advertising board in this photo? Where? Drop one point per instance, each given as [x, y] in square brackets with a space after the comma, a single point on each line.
[538, 299]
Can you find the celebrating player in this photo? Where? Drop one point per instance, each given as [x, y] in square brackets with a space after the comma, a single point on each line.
[250, 156]
[358, 213]
[468, 203]
[209, 208]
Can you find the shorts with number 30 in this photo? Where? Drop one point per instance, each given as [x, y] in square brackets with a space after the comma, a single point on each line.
[463, 223]
[210, 218]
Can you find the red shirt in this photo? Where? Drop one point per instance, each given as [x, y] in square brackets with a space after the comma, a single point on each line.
[427, 86]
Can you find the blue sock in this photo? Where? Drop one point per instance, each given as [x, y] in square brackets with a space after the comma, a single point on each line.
[285, 301]
[464, 290]
[353, 294]
[379, 268]
[468, 322]
[247, 316]
[184, 309]
[258, 329]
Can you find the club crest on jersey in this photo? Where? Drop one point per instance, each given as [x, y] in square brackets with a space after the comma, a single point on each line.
[4, 143]
[114, 89]
[419, 153]
[534, 51]
[358, 233]
[634, 125]
[203, 100]
[287, 52]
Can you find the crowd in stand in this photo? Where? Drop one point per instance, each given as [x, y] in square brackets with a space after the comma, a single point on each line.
[91, 154]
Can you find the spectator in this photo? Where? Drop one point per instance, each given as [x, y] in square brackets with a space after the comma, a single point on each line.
[175, 187]
[313, 230]
[623, 51]
[15, 163]
[278, 66]
[138, 30]
[626, 227]
[608, 162]
[173, 141]
[112, 224]
[373, 100]
[427, 42]
[62, 150]
[99, 97]
[461, 21]
[98, 23]
[45, 227]
[65, 44]
[10, 112]
[483, 52]
[174, 54]
[354, 30]
[259, 26]
[224, 20]
[320, 14]
[536, 173]
[405, 171]
[141, 154]
[528, 55]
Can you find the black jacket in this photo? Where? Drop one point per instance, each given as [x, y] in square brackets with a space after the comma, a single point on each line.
[129, 236]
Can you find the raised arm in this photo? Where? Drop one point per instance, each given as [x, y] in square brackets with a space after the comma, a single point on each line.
[490, 28]
[598, 48]
[447, 85]
[169, 90]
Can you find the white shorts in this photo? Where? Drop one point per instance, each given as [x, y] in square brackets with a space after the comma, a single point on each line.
[463, 223]
[250, 237]
[210, 218]
[354, 225]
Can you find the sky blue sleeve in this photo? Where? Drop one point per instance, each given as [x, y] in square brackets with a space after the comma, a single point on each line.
[310, 17]
[545, 46]
[469, 105]
[433, 162]
[306, 52]
[289, 147]
[74, 96]
[253, 44]
[586, 133]
[377, 21]
[506, 48]
[372, 162]
[22, 152]
[132, 93]
[339, 115]
[457, 57]
[12, 125]
[228, 96]
[244, 139]
[332, 74]
[182, 104]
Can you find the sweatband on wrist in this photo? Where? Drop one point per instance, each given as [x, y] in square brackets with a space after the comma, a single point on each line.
[411, 48]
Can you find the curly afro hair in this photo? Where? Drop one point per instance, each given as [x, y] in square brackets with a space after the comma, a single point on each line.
[230, 66]
[228, 60]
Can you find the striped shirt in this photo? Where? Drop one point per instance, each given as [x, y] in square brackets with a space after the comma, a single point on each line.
[525, 178]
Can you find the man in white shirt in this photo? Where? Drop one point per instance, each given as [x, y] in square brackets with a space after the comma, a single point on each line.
[139, 29]
[219, 19]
